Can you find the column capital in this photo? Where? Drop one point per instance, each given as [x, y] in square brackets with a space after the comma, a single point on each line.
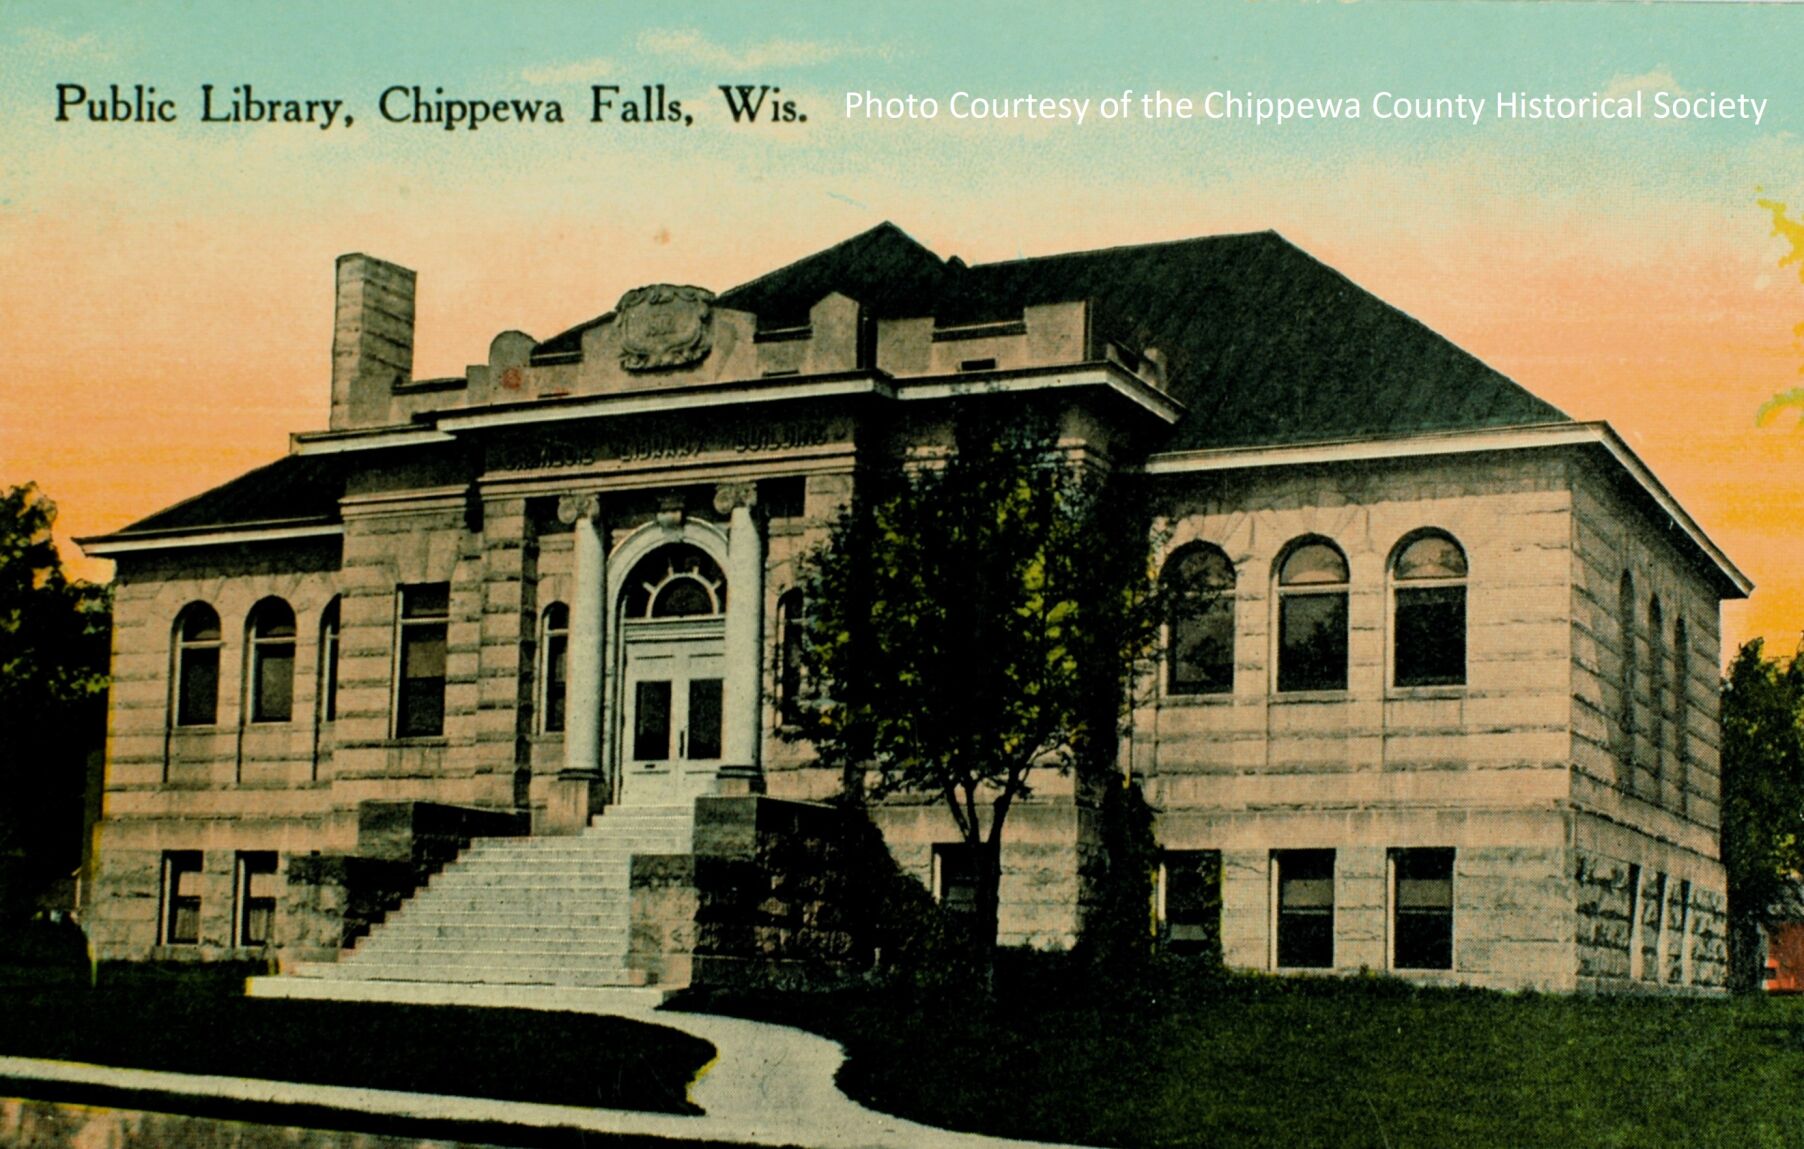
[570, 508]
[729, 497]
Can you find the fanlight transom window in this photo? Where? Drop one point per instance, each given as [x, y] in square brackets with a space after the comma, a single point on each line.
[675, 582]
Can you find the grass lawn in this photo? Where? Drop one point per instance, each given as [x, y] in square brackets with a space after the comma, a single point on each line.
[198, 1021]
[1191, 1058]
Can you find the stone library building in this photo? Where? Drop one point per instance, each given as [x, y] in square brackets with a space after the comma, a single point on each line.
[487, 680]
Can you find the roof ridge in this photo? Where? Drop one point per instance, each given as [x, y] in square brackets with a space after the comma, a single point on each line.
[1125, 247]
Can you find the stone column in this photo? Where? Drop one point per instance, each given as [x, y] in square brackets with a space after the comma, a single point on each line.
[577, 790]
[743, 720]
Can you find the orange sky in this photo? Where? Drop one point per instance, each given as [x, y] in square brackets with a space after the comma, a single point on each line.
[166, 318]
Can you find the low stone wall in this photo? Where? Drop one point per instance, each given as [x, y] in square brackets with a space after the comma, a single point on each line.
[766, 898]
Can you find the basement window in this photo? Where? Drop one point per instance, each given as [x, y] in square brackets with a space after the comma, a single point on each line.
[1189, 901]
[1305, 908]
[955, 876]
[181, 897]
[1422, 909]
[256, 897]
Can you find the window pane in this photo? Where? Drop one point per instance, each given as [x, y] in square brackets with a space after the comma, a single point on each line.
[422, 695]
[651, 721]
[958, 876]
[1193, 901]
[557, 654]
[427, 600]
[682, 598]
[1313, 638]
[274, 678]
[200, 624]
[1202, 649]
[1313, 563]
[1422, 922]
[1431, 636]
[181, 885]
[704, 718]
[198, 700]
[1305, 908]
[275, 619]
[328, 674]
[1431, 557]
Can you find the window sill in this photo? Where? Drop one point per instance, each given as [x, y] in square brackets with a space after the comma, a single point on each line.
[1309, 697]
[419, 740]
[1215, 698]
[1457, 690]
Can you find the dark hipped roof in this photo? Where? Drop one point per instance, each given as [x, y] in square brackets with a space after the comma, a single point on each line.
[1266, 344]
[295, 488]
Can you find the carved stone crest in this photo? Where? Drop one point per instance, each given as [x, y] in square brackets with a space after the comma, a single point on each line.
[664, 326]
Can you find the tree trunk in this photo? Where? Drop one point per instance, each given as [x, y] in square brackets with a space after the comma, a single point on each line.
[986, 920]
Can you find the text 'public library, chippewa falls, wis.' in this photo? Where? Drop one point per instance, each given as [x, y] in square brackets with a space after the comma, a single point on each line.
[487, 682]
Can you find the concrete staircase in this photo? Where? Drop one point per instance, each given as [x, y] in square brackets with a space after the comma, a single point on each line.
[521, 911]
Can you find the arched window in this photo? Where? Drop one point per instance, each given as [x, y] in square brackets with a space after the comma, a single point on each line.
[1656, 679]
[554, 647]
[328, 663]
[1625, 642]
[675, 582]
[1199, 583]
[270, 637]
[1428, 577]
[196, 666]
[1312, 617]
[791, 608]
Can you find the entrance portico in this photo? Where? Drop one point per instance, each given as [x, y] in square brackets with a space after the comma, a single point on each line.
[665, 659]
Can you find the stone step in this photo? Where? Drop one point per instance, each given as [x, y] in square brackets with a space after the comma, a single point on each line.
[491, 954]
[607, 916]
[529, 879]
[500, 900]
[411, 971]
[495, 937]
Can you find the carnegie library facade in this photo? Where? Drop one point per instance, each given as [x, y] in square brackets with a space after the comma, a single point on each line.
[487, 681]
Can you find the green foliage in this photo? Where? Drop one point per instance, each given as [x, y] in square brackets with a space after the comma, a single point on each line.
[1762, 795]
[55, 640]
[974, 619]
[1241, 1061]
[1119, 928]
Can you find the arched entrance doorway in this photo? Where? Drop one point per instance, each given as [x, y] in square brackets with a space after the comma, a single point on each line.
[671, 619]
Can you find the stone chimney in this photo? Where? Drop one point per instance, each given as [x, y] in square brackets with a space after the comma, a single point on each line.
[372, 339]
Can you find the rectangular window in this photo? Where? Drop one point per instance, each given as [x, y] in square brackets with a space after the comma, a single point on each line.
[704, 719]
[557, 657]
[1681, 966]
[1653, 929]
[651, 721]
[255, 918]
[420, 698]
[1190, 901]
[1422, 909]
[1313, 642]
[197, 701]
[1305, 910]
[1634, 922]
[955, 876]
[1431, 636]
[181, 897]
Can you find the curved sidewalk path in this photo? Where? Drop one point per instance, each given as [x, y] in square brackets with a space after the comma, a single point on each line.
[768, 1084]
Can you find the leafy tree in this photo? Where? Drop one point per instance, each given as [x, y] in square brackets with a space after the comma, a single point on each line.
[972, 621]
[55, 638]
[1762, 798]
